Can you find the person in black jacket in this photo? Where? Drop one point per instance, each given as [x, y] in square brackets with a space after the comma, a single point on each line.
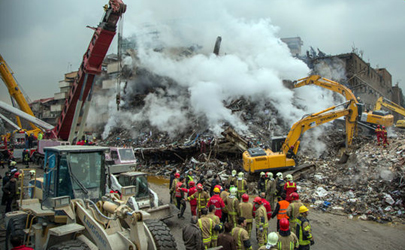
[10, 191]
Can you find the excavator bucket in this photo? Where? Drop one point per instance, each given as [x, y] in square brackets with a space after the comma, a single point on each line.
[344, 158]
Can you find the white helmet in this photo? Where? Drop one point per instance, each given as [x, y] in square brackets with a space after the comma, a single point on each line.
[289, 177]
[234, 172]
[32, 172]
[240, 175]
[272, 239]
[233, 191]
[279, 175]
[269, 175]
[262, 174]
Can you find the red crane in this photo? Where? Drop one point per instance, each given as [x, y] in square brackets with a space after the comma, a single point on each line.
[90, 67]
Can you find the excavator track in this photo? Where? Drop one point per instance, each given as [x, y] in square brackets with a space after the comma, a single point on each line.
[301, 171]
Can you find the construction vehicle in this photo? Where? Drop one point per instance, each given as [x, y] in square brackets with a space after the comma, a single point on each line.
[16, 95]
[392, 106]
[367, 120]
[74, 213]
[121, 166]
[256, 160]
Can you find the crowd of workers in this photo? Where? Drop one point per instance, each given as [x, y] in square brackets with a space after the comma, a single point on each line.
[223, 215]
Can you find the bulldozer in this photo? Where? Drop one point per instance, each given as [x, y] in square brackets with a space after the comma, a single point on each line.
[74, 212]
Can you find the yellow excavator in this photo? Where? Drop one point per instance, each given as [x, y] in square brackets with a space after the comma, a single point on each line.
[368, 120]
[257, 160]
[383, 102]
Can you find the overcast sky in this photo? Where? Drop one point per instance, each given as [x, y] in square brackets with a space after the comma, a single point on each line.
[42, 40]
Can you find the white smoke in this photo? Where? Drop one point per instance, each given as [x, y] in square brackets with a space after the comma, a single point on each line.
[253, 63]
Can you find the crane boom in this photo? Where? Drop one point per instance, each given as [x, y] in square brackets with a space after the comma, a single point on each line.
[15, 92]
[90, 67]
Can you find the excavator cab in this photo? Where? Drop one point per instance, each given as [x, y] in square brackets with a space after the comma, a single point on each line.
[74, 171]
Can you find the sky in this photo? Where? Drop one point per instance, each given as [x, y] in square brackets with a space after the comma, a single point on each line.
[42, 40]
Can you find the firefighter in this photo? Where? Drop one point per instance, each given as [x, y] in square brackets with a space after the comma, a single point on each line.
[286, 239]
[270, 189]
[217, 225]
[384, 137]
[261, 184]
[202, 198]
[280, 210]
[225, 239]
[289, 187]
[26, 157]
[279, 185]
[189, 177]
[192, 236]
[246, 211]
[266, 205]
[224, 195]
[241, 184]
[232, 205]
[378, 134]
[217, 202]
[193, 202]
[272, 240]
[173, 188]
[181, 191]
[206, 225]
[261, 221]
[304, 232]
[293, 210]
[241, 236]
[232, 179]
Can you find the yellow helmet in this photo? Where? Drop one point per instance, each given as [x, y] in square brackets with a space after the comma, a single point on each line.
[303, 209]
[240, 175]
[216, 190]
[234, 172]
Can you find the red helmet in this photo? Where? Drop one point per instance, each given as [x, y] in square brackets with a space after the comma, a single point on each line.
[384, 127]
[191, 183]
[258, 200]
[295, 196]
[218, 186]
[176, 175]
[284, 224]
[199, 186]
[179, 184]
[245, 197]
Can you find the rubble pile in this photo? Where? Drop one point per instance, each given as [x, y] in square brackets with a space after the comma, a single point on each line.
[370, 185]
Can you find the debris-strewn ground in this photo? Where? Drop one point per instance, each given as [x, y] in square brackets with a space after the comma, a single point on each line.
[369, 185]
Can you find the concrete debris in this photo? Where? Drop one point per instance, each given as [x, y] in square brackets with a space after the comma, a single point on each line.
[370, 185]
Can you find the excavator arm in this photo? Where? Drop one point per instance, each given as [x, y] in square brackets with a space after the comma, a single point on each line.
[316, 119]
[364, 118]
[382, 102]
[328, 84]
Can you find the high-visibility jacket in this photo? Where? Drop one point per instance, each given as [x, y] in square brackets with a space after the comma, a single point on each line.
[201, 197]
[191, 191]
[232, 205]
[260, 214]
[215, 219]
[282, 212]
[206, 225]
[293, 211]
[267, 206]
[289, 242]
[303, 231]
[246, 210]
[289, 188]
[218, 203]
[240, 235]
[224, 194]
[241, 185]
